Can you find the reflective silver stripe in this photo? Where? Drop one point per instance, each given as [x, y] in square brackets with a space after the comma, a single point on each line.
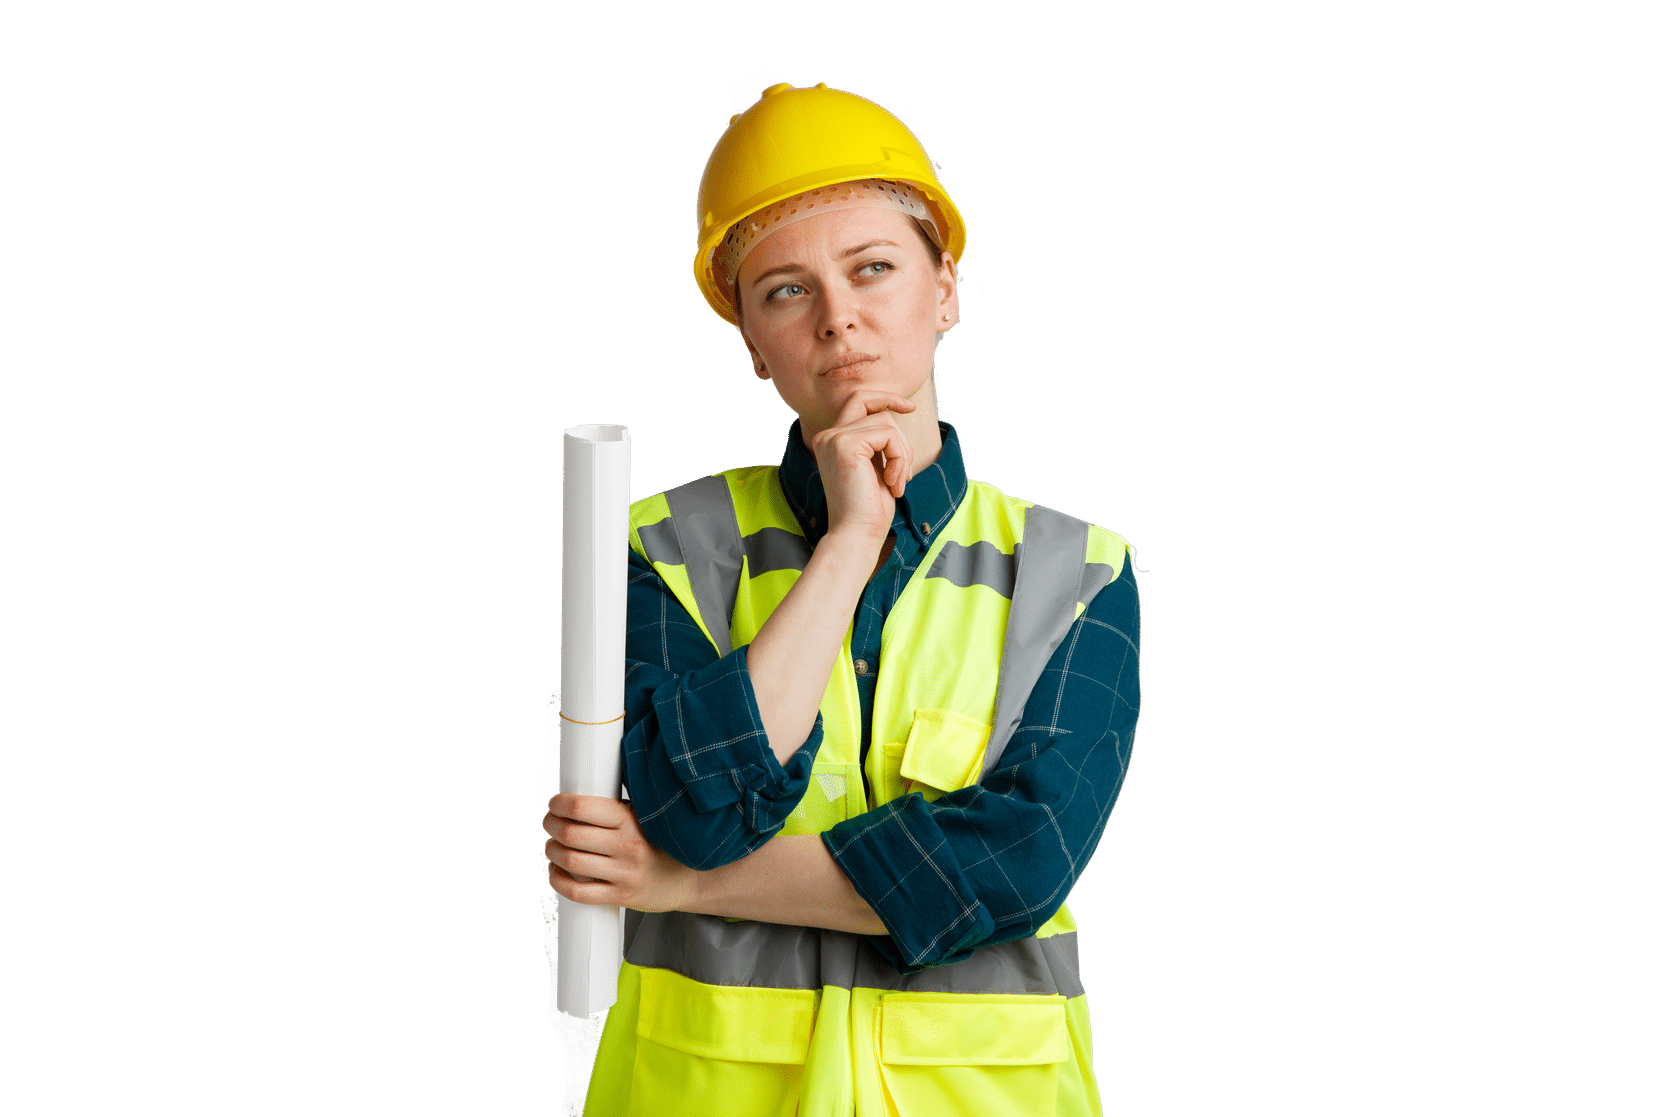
[1025, 966]
[703, 514]
[1097, 575]
[984, 565]
[660, 542]
[773, 956]
[1049, 575]
[980, 564]
[840, 951]
[718, 952]
[771, 548]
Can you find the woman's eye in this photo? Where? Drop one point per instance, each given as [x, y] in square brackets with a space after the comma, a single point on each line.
[876, 267]
[785, 291]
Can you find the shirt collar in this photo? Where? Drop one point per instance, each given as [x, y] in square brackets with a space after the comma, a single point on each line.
[930, 498]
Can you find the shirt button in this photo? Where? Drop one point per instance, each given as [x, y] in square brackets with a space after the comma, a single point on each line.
[926, 530]
[813, 523]
[861, 666]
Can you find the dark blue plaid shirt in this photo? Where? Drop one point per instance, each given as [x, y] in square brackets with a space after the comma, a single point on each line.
[981, 865]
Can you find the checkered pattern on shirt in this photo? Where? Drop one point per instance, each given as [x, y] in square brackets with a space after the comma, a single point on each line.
[981, 865]
[697, 761]
[991, 863]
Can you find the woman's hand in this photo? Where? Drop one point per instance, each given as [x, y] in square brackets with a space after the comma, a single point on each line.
[865, 461]
[597, 855]
[787, 880]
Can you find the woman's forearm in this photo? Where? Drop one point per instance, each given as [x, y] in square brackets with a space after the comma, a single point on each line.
[791, 657]
[790, 879]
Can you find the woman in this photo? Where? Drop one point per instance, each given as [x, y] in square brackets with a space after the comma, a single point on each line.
[876, 713]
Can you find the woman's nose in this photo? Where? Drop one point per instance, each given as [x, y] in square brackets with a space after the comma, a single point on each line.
[839, 314]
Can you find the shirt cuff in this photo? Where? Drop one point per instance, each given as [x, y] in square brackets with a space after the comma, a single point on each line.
[717, 745]
[902, 865]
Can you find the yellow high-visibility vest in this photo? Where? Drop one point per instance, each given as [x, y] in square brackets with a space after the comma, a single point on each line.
[753, 1019]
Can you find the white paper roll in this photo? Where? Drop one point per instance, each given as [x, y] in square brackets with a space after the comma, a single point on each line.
[592, 603]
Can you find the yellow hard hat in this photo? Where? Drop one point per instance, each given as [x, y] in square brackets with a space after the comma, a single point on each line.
[794, 140]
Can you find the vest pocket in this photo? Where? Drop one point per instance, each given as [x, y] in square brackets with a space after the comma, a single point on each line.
[694, 1040]
[945, 751]
[940, 1051]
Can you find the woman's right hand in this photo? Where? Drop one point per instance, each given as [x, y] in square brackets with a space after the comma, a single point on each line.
[598, 854]
[859, 487]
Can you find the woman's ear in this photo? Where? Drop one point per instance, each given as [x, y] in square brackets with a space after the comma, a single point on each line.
[759, 368]
[946, 278]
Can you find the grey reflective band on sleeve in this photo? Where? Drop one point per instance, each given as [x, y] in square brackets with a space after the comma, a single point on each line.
[773, 956]
[772, 548]
[979, 564]
[703, 514]
[660, 543]
[1049, 575]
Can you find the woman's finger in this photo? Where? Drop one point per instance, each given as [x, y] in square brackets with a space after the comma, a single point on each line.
[596, 892]
[597, 810]
[884, 445]
[867, 401]
[583, 864]
[897, 455]
[866, 437]
[555, 826]
[604, 840]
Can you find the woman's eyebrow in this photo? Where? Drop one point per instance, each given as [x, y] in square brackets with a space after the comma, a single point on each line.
[867, 247]
[783, 270]
[789, 268]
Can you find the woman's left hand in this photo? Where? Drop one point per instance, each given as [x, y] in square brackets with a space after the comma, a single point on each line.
[598, 855]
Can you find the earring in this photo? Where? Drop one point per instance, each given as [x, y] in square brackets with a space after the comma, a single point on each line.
[944, 317]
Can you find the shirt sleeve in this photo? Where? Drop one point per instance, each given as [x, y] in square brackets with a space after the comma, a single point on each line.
[703, 782]
[992, 862]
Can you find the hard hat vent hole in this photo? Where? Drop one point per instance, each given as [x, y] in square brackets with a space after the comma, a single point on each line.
[745, 234]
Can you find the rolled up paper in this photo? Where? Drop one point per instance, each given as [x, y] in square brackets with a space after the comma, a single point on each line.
[592, 607]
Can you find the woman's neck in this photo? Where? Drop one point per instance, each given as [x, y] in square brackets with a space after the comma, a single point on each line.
[921, 426]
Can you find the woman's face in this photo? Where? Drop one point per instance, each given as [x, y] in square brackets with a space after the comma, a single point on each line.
[846, 300]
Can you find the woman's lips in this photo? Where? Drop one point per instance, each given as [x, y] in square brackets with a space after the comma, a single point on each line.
[846, 364]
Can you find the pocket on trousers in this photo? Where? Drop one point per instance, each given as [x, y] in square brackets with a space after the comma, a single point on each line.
[941, 1051]
[700, 1044]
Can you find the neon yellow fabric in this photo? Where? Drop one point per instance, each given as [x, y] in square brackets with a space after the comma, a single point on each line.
[944, 752]
[673, 1043]
[830, 1073]
[704, 1019]
[889, 1054]
[1076, 1088]
[709, 1041]
[951, 1029]
[646, 513]
[936, 695]
[609, 1084]
[1060, 924]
